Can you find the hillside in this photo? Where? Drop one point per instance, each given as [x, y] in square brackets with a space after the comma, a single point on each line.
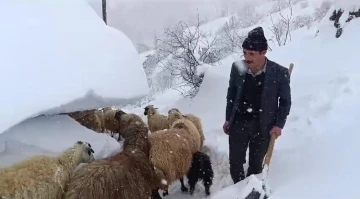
[284, 23]
[315, 156]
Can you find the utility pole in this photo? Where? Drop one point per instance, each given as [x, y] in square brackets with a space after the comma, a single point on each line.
[104, 11]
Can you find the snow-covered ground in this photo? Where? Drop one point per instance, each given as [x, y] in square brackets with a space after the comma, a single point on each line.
[52, 53]
[51, 136]
[315, 157]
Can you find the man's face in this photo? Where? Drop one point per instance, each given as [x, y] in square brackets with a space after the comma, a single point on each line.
[254, 58]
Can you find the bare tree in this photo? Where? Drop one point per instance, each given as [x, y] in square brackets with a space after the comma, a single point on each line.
[184, 48]
[248, 16]
[322, 10]
[302, 21]
[282, 29]
[229, 38]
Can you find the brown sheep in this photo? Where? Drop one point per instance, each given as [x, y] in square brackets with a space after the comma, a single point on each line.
[127, 175]
[110, 123]
[78, 114]
[156, 121]
[194, 119]
[99, 120]
[171, 152]
[125, 120]
[91, 119]
[176, 119]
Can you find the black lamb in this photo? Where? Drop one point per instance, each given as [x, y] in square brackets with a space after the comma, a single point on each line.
[201, 169]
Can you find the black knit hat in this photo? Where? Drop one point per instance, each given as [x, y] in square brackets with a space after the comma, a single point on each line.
[255, 40]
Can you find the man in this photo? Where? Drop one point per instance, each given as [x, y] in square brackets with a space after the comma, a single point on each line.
[258, 103]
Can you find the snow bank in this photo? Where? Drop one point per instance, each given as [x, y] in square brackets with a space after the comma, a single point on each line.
[53, 52]
[314, 158]
[51, 136]
[211, 98]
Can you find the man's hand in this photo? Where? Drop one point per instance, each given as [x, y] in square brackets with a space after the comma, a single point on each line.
[226, 128]
[276, 131]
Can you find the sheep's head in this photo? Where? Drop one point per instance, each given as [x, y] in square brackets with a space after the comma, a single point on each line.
[173, 110]
[173, 117]
[86, 152]
[118, 115]
[150, 110]
[181, 125]
[137, 139]
[130, 124]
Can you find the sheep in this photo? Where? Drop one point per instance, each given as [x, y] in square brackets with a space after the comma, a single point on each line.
[201, 169]
[156, 121]
[98, 120]
[92, 121]
[171, 152]
[176, 119]
[43, 177]
[127, 175]
[194, 119]
[78, 114]
[125, 119]
[175, 152]
[110, 123]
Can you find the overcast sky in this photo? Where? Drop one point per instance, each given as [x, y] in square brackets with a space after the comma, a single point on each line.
[139, 19]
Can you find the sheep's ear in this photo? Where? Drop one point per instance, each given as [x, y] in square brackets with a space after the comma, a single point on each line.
[79, 142]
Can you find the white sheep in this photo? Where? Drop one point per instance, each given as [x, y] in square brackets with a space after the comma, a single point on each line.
[156, 121]
[43, 177]
[176, 114]
[171, 152]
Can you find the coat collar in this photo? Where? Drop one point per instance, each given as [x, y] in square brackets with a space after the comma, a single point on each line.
[259, 72]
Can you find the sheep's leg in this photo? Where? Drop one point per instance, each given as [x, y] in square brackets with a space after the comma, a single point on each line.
[183, 188]
[155, 195]
[166, 192]
[207, 181]
[207, 188]
[192, 182]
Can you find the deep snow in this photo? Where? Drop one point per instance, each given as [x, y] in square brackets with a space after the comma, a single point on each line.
[52, 53]
[51, 136]
[314, 158]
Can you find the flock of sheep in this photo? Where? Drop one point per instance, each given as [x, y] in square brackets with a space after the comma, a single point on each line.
[154, 156]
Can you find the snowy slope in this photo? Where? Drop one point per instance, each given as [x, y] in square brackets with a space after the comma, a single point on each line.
[54, 52]
[315, 157]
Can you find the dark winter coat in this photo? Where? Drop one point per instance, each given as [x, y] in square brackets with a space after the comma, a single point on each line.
[276, 95]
